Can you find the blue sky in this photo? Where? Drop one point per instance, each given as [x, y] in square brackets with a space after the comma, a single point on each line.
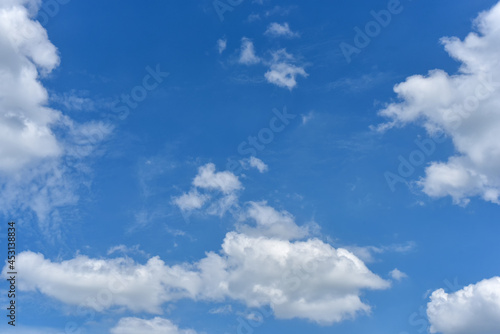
[251, 166]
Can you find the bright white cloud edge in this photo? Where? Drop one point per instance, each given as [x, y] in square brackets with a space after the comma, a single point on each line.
[465, 107]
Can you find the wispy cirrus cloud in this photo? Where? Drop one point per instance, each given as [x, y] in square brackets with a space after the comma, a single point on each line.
[157, 325]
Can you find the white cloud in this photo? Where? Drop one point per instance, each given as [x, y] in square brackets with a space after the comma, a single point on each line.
[302, 279]
[190, 201]
[74, 101]
[253, 17]
[282, 71]
[19, 329]
[255, 163]
[156, 325]
[39, 172]
[221, 45]
[101, 284]
[307, 118]
[25, 120]
[271, 223]
[126, 250]
[226, 309]
[222, 188]
[220, 206]
[474, 309]
[247, 53]
[367, 253]
[307, 279]
[265, 262]
[397, 274]
[280, 30]
[259, 164]
[465, 107]
[225, 182]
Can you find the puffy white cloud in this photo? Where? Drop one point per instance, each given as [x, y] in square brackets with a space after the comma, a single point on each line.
[303, 279]
[39, 172]
[474, 309]
[397, 274]
[225, 182]
[283, 67]
[247, 53]
[101, 284]
[280, 30]
[222, 190]
[191, 200]
[153, 326]
[306, 279]
[25, 119]
[283, 72]
[265, 262]
[465, 107]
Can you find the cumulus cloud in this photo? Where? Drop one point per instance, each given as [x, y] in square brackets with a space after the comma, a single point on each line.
[397, 274]
[280, 30]
[465, 107]
[39, 171]
[247, 53]
[191, 200]
[101, 284]
[474, 309]
[283, 67]
[156, 325]
[220, 192]
[208, 178]
[283, 72]
[266, 262]
[25, 120]
[302, 279]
